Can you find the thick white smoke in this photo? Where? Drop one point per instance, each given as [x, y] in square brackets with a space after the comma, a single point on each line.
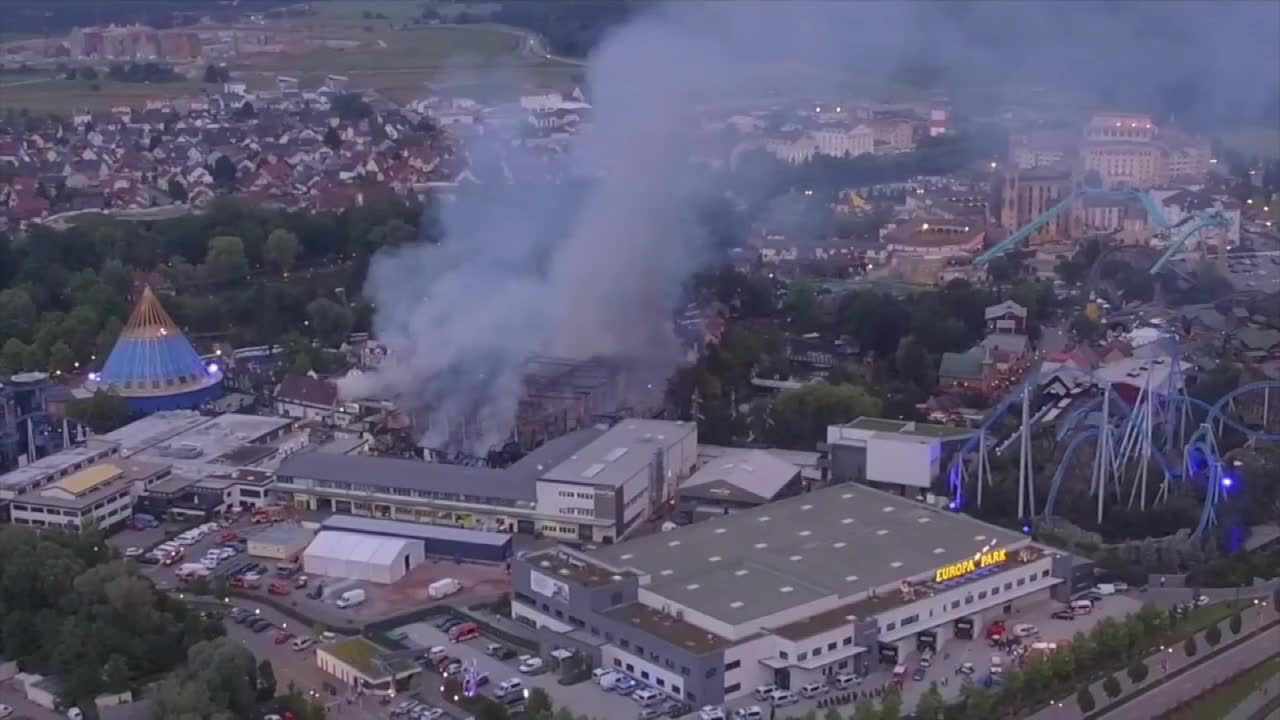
[593, 269]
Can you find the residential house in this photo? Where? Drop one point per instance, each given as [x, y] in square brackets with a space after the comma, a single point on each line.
[312, 398]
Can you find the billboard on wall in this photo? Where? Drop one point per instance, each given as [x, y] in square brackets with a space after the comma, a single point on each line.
[549, 587]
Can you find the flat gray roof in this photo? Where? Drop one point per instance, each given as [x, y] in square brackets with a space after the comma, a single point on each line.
[282, 535]
[19, 479]
[130, 470]
[421, 531]
[840, 542]
[752, 471]
[387, 472]
[195, 444]
[621, 452]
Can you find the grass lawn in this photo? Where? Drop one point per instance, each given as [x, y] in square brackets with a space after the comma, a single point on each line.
[1202, 617]
[1216, 703]
[65, 96]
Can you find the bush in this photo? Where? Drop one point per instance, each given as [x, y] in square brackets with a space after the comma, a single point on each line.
[1189, 647]
[1235, 623]
[1085, 700]
[1137, 671]
[1213, 635]
[1111, 686]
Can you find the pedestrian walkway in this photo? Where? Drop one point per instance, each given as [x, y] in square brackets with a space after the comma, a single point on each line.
[1160, 665]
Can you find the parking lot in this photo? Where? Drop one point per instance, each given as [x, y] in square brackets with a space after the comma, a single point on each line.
[585, 698]
[955, 653]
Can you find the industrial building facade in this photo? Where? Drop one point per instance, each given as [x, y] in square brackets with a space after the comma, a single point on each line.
[590, 486]
[787, 593]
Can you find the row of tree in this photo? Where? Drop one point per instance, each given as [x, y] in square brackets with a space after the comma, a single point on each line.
[67, 609]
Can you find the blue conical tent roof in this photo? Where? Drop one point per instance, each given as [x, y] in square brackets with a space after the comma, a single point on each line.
[153, 359]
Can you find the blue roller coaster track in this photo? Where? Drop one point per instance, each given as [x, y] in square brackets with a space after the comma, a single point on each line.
[1194, 460]
[1197, 222]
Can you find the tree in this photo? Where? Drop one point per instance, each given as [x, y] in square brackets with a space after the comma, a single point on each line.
[281, 249]
[864, 709]
[61, 357]
[1189, 646]
[330, 321]
[832, 714]
[266, 681]
[332, 139]
[912, 362]
[801, 305]
[1111, 686]
[538, 702]
[1086, 328]
[115, 674]
[13, 356]
[891, 705]
[801, 417]
[1213, 635]
[1084, 699]
[1235, 623]
[1137, 671]
[931, 706]
[17, 313]
[102, 412]
[225, 259]
[216, 74]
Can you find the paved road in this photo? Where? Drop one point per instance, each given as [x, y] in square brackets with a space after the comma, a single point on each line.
[1186, 686]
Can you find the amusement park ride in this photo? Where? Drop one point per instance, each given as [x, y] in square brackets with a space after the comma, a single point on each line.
[1119, 442]
[1194, 223]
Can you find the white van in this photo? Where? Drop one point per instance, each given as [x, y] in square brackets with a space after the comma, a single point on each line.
[764, 692]
[846, 681]
[508, 687]
[1081, 607]
[609, 680]
[751, 712]
[782, 698]
[1105, 588]
[813, 689]
[646, 696]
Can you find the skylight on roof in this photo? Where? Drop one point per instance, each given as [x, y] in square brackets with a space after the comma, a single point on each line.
[736, 604]
[763, 518]
[805, 533]
[979, 538]
[667, 572]
[761, 546]
[593, 470]
[806, 507]
[851, 578]
[692, 586]
[846, 496]
[673, 543]
[922, 519]
[714, 558]
[887, 508]
[938, 551]
[847, 521]
[720, 531]
[628, 556]
[614, 454]
[795, 558]
[786, 589]
[895, 564]
[838, 545]
[882, 532]
[740, 572]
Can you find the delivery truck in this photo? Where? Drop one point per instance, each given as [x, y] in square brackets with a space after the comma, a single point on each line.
[443, 588]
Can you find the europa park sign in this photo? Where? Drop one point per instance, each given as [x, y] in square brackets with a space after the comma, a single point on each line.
[973, 564]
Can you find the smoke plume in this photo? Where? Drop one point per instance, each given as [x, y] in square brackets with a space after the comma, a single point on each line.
[592, 268]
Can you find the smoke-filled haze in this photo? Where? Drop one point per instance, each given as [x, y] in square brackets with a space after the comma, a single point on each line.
[595, 269]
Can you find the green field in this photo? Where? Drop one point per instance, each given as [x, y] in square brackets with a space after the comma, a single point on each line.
[390, 55]
[1216, 703]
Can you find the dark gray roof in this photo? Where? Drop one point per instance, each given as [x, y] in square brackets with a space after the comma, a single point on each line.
[388, 472]
[421, 531]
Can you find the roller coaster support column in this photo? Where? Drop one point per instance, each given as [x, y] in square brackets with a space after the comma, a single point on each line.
[1102, 463]
[1026, 490]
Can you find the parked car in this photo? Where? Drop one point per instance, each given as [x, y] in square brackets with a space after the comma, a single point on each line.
[1025, 630]
[1201, 600]
[782, 698]
[965, 669]
[283, 637]
[531, 666]
[493, 648]
[676, 709]
[750, 712]
[508, 687]
[919, 674]
[711, 712]
[316, 592]
[813, 689]
[1064, 614]
[625, 685]
[505, 653]
[301, 581]
[147, 560]
[133, 552]
[445, 622]
[764, 692]
[302, 643]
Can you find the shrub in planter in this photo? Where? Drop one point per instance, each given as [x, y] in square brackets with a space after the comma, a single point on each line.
[1137, 672]
[1111, 686]
[1085, 700]
[1189, 647]
[1213, 636]
[1235, 623]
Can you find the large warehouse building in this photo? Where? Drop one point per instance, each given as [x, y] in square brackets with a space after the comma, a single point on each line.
[891, 454]
[375, 558]
[830, 581]
[438, 541]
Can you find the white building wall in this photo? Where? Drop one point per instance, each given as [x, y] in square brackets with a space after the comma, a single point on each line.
[749, 674]
[693, 617]
[902, 461]
[573, 502]
[337, 668]
[643, 670]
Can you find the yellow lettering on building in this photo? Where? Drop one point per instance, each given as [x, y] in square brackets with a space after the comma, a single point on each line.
[973, 564]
